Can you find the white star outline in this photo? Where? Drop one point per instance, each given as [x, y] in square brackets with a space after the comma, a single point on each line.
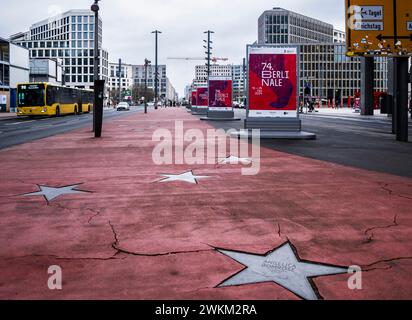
[235, 160]
[185, 177]
[51, 193]
[303, 286]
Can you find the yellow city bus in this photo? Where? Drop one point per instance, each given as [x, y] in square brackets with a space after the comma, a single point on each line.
[44, 99]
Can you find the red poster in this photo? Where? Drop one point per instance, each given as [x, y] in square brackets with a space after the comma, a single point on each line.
[272, 82]
[220, 94]
[194, 98]
[202, 98]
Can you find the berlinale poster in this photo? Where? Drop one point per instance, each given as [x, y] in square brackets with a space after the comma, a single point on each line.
[194, 98]
[220, 94]
[202, 98]
[272, 82]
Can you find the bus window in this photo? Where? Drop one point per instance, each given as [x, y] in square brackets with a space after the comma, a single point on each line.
[52, 95]
[31, 95]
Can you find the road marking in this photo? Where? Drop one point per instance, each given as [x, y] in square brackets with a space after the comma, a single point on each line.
[17, 123]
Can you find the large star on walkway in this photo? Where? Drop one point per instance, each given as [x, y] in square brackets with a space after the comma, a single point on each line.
[235, 160]
[283, 267]
[186, 177]
[50, 193]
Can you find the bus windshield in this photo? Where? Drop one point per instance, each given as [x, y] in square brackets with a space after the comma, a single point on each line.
[31, 95]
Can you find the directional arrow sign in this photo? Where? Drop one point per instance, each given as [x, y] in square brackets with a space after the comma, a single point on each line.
[377, 26]
[382, 37]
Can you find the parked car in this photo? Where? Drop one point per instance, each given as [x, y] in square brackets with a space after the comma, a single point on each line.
[123, 106]
[236, 104]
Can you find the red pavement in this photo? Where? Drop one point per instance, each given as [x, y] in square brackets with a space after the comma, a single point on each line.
[135, 238]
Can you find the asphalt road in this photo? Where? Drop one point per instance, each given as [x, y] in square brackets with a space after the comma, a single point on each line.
[352, 141]
[18, 131]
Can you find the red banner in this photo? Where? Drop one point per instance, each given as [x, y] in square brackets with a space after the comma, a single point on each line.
[272, 82]
[202, 98]
[220, 94]
[194, 98]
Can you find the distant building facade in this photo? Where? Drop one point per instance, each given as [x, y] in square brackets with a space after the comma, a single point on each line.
[166, 90]
[216, 70]
[126, 76]
[46, 70]
[70, 37]
[14, 69]
[283, 26]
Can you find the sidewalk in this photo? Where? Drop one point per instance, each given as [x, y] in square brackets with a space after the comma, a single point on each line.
[7, 115]
[131, 237]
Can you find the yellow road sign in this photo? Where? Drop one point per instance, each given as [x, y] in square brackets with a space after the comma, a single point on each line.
[379, 27]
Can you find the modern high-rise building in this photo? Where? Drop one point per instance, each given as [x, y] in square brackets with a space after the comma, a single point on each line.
[324, 67]
[70, 37]
[283, 26]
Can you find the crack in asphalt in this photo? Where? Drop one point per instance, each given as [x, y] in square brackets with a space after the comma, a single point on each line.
[97, 213]
[61, 258]
[365, 267]
[115, 246]
[370, 230]
[391, 192]
[279, 230]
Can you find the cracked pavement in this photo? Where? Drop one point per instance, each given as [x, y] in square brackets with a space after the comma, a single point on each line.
[133, 238]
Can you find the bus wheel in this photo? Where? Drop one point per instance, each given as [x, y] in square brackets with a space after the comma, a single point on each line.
[58, 112]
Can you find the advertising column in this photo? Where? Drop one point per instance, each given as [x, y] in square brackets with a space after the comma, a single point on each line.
[273, 88]
[202, 100]
[220, 99]
[194, 101]
[273, 83]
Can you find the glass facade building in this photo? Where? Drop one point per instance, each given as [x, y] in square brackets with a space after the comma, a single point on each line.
[70, 37]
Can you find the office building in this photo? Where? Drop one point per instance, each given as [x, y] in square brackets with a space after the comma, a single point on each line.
[324, 67]
[126, 76]
[166, 90]
[283, 26]
[216, 70]
[239, 78]
[70, 37]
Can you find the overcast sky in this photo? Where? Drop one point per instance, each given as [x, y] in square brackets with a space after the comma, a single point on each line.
[127, 26]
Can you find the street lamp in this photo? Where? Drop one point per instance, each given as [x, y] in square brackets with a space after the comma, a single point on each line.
[146, 65]
[156, 32]
[208, 53]
[98, 85]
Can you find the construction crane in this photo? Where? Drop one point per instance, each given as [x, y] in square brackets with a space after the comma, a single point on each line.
[214, 59]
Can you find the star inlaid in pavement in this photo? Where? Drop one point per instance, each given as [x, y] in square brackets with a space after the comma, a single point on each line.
[186, 177]
[50, 193]
[235, 160]
[281, 266]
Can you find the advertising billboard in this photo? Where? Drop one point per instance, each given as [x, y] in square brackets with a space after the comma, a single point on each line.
[220, 94]
[202, 98]
[273, 85]
[194, 98]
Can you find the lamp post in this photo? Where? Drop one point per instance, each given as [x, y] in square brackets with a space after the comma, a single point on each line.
[209, 51]
[156, 32]
[98, 85]
[146, 65]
